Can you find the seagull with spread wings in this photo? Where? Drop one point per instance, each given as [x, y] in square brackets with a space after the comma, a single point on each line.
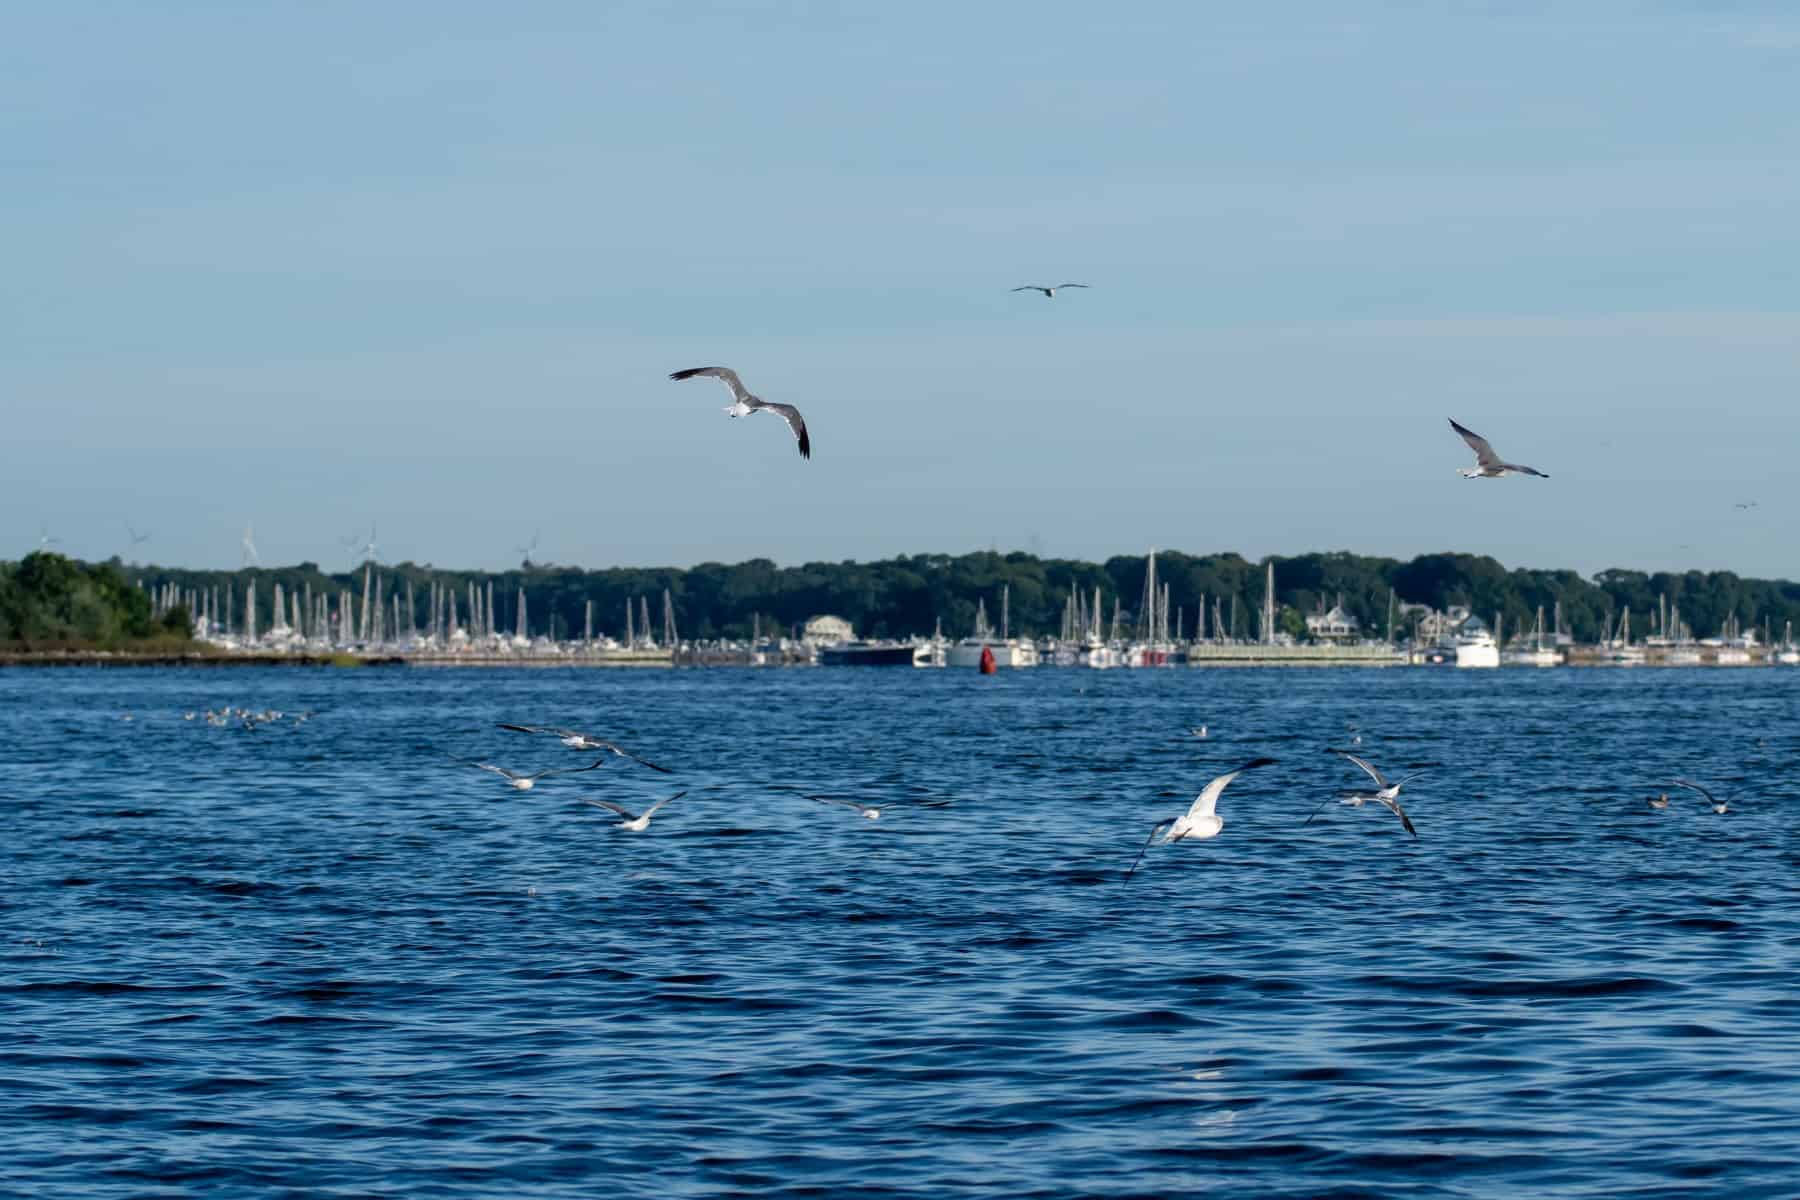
[635, 822]
[1488, 465]
[1201, 819]
[523, 782]
[1386, 793]
[585, 741]
[744, 403]
[1712, 802]
[1049, 292]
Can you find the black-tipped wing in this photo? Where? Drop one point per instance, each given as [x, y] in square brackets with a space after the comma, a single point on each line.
[1362, 762]
[595, 765]
[1208, 800]
[1694, 787]
[651, 811]
[1032, 287]
[644, 762]
[527, 728]
[1394, 807]
[729, 376]
[1484, 453]
[861, 808]
[611, 807]
[791, 415]
[1518, 470]
[1145, 848]
[1061, 286]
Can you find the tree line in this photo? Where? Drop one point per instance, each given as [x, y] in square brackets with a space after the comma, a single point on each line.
[911, 594]
[48, 601]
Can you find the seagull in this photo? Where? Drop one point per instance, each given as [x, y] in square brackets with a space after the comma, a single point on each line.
[637, 823]
[582, 741]
[745, 403]
[1487, 463]
[1717, 805]
[1200, 732]
[1049, 292]
[867, 810]
[1661, 801]
[1745, 504]
[1386, 794]
[1200, 821]
[524, 783]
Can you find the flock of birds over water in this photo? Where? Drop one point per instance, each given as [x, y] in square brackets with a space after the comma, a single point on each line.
[744, 403]
[1199, 822]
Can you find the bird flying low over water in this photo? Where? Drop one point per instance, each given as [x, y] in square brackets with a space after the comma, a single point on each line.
[1712, 802]
[744, 403]
[867, 810]
[1200, 820]
[1387, 794]
[635, 822]
[1487, 463]
[584, 741]
[1049, 292]
[524, 782]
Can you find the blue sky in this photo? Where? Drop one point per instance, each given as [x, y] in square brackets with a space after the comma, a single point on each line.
[429, 265]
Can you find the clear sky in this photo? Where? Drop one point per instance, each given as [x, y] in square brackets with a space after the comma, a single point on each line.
[428, 266]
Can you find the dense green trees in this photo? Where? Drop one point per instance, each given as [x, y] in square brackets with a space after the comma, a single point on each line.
[46, 599]
[911, 593]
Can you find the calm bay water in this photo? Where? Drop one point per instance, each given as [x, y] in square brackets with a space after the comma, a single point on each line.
[322, 957]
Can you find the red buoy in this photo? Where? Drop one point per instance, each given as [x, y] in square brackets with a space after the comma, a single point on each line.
[987, 661]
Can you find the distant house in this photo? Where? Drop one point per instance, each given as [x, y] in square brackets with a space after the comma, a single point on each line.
[826, 630]
[1435, 626]
[1333, 626]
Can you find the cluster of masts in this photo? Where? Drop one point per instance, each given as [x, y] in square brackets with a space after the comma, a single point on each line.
[455, 619]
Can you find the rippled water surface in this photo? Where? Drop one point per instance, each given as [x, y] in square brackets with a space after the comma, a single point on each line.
[324, 957]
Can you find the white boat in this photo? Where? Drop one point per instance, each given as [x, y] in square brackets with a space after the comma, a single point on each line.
[1008, 651]
[1476, 648]
[1537, 654]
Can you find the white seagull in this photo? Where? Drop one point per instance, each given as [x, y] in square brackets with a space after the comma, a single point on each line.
[867, 810]
[744, 403]
[1712, 802]
[584, 741]
[1049, 292]
[524, 783]
[1387, 794]
[637, 823]
[1200, 820]
[1487, 463]
[1661, 801]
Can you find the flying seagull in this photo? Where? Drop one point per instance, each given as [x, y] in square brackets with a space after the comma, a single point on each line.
[583, 741]
[524, 783]
[1200, 821]
[1387, 794]
[637, 823]
[744, 403]
[1049, 292]
[1487, 463]
[867, 810]
[1712, 802]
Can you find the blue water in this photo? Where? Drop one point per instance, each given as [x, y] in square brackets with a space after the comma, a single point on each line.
[322, 957]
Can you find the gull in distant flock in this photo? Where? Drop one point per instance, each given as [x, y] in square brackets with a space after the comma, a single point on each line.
[1712, 802]
[1487, 463]
[744, 403]
[1661, 801]
[1200, 820]
[1049, 292]
[639, 822]
[1386, 794]
[1745, 504]
[584, 741]
[524, 783]
[867, 810]
[1200, 731]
